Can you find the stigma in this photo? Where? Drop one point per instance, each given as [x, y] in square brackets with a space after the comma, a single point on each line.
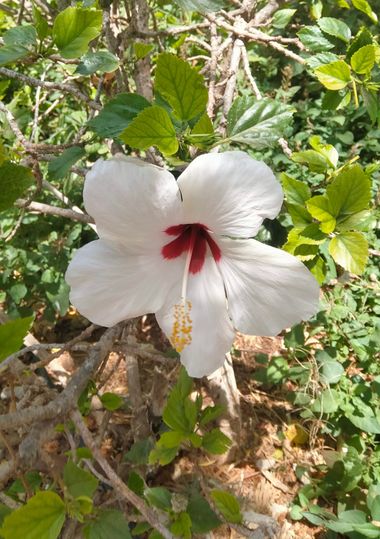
[193, 239]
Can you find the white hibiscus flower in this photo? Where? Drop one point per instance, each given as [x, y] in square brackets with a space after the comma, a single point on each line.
[183, 250]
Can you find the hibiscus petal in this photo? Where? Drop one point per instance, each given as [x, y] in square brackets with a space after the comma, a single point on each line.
[212, 331]
[132, 201]
[230, 192]
[109, 284]
[267, 289]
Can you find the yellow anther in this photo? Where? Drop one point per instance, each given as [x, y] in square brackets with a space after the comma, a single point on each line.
[182, 325]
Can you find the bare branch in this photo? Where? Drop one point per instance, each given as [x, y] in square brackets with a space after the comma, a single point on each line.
[39, 207]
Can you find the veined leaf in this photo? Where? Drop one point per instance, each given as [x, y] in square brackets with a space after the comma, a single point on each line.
[74, 28]
[42, 517]
[60, 166]
[296, 192]
[117, 114]
[12, 334]
[181, 85]
[203, 6]
[334, 76]
[364, 6]
[335, 27]
[151, 127]
[79, 482]
[227, 505]
[257, 123]
[350, 250]
[100, 61]
[108, 524]
[313, 39]
[18, 42]
[14, 180]
[363, 60]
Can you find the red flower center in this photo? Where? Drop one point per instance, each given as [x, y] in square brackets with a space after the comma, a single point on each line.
[194, 238]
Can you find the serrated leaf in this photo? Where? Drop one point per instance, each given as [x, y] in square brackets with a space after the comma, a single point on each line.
[74, 28]
[210, 413]
[79, 482]
[313, 39]
[142, 49]
[296, 192]
[151, 127]
[334, 76]
[60, 166]
[314, 160]
[257, 123]
[321, 58]
[227, 505]
[326, 150]
[282, 17]
[117, 114]
[12, 335]
[320, 208]
[14, 180]
[139, 452]
[364, 6]
[181, 85]
[181, 527]
[111, 401]
[40, 23]
[350, 250]
[42, 517]
[216, 442]
[136, 483]
[363, 60]
[335, 27]
[100, 61]
[362, 38]
[107, 524]
[18, 42]
[203, 518]
[350, 192]
[299, 215]
[162, 455]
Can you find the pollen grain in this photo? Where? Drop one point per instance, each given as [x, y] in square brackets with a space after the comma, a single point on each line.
[182, 326]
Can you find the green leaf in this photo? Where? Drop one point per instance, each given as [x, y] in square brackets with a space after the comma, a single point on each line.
[100, 61]
[117, 114]
[14, 180]
[111, 401]
[327, 402]
[362, 38]
[139, 452]
[332, 371]
[257, 123]
[4, 511]
[350, 192]
[282, 17]
[314, 160]
[203, 6]
[181, 85]
[227, 505]
[74, 28]
[363, 60]
[335, 27]
[334, 76]
[159, 497]
[151, 127]
[210, 413]
[136, 483]
[181, 527]
[299, 215]
[364, 423]
[18, 42]
[79, 482]
[40, 23]
[350, 250]
[313, 39]
[42, 517]
[333, 100]
[12, 335]
[372, 103]
[375, 508]
[142, 49]
[327, 150]
[321, 58]
[179, 412]
[216, 442]
[60, 166]
[320, 208]
[108, 523]
[203, 518]
[163, 455]
[296, 192]
[363, 5]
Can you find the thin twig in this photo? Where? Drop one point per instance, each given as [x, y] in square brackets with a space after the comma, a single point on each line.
[39, 207]
[120, 487]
